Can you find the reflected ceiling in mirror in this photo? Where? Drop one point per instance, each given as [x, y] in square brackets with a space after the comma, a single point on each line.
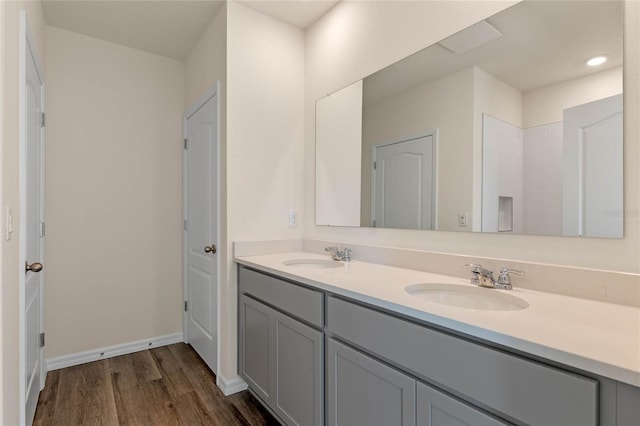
[469, 134]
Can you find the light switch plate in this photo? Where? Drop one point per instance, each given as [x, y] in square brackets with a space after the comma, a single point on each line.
[293, 217]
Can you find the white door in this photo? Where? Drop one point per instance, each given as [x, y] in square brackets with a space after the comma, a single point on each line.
[201, 229]
[404, 184]
[593, 176]
[32, 150]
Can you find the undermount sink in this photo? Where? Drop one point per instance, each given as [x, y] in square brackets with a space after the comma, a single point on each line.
[483, 299]
[313, 263]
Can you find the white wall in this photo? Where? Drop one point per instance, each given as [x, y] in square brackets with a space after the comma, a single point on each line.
[446, 105]
[501, 173]
[207, 62]
[547, 104]
[338, 154]
[261, 73]
[347, 44]
[206, 65]
[496, 98]
[265, 104]
[542, 180]
[11, 268]
[114, 194]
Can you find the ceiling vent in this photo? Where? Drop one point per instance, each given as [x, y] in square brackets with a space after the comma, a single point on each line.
[471, 38]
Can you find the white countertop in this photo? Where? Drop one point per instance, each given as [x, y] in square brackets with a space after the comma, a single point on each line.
[598, 337]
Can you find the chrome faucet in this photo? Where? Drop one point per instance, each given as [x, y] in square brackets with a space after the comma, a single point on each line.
[484, 278]
[339, 255]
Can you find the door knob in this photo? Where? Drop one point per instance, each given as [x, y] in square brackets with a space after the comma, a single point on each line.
[211, 249]
[34, 267]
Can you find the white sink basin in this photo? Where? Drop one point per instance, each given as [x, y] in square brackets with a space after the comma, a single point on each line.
[483, 299]
[313, 263]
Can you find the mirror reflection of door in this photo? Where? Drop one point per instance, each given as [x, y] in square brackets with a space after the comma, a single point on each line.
[592, 153]
[404, 184]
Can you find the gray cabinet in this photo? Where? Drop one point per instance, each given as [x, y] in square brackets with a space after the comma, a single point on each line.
[256, 346]
[384, 369]
[365, 392]
[282, 360]
[435, 408]
[511, 385]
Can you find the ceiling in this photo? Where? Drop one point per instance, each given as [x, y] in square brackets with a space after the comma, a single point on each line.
[166, 27]
[542, 43]
[300, 13]
[171, 28]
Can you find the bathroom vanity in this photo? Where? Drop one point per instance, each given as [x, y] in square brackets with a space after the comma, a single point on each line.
[339, 344]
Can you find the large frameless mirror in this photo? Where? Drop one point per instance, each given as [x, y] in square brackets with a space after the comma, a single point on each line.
[502, 127]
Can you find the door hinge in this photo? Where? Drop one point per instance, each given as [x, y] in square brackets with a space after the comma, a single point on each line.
[185, 143]
[375, 163]
[41, 229]
[184, 225]
[42, 119]
[186, 306]
[42, 340]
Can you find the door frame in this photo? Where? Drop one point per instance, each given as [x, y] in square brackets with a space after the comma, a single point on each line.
[214, 91]
[27, 46]
[434, 194]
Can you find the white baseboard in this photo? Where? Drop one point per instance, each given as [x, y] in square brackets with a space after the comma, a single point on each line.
[111, 351]
[230, 386]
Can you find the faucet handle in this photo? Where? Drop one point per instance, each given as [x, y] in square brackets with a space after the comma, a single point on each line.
[475, 267]
[504, 279]
[333, 251]
[506, 270]
[346, 254]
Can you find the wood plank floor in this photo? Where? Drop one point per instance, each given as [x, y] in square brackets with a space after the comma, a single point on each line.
[169, 385]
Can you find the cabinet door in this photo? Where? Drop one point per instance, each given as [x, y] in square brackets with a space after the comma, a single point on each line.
[256, 350]
[628, 404]
[509, 384]
[366, 392]
[299, 375]
[438, 409]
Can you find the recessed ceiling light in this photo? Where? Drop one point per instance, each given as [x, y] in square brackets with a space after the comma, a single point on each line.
[597, 60]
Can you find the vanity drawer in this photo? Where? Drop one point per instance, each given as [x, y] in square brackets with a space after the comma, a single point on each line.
[521, 389]
[294, 299]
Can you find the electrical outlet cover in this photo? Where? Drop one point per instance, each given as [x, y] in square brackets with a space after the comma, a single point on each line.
[462, 219]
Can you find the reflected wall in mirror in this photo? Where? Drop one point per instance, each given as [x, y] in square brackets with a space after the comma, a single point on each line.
[502, 127]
